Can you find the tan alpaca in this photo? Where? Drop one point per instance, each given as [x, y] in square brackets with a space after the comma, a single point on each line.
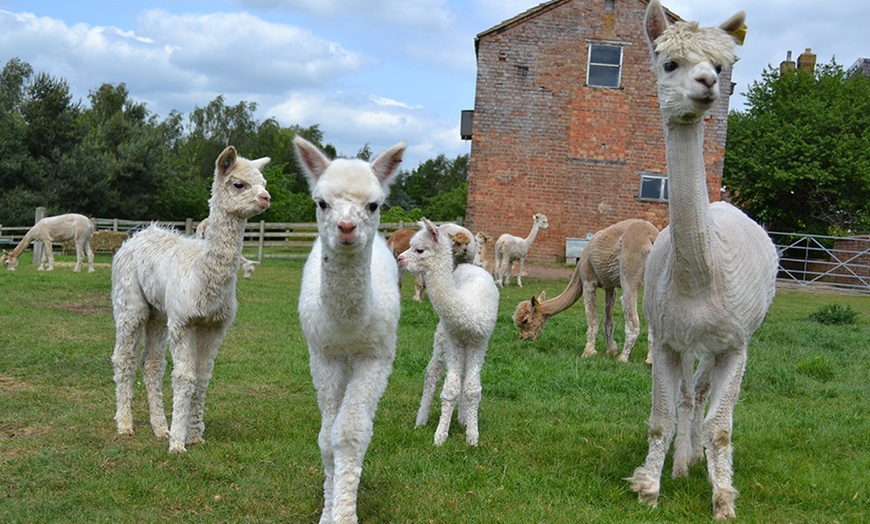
[56, 229]
[614, 258]
[710, 277]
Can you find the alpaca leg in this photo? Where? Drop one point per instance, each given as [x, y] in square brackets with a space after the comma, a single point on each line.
[632, 320]
[471, 393]
[433, 375]
[727, 375]
[330, 378]
[49, 255]
[80, 256]
[153, 369]
[609, 306]
[124, 363]
[520, 265]
[90, 253]
[702, 381]
[498, 271]
[208, 341]
[590, 300]
[42, 260]
[450, 391]
[419, 287]
[646, 480]
[352, 431]
[183, 346]
[685, 413]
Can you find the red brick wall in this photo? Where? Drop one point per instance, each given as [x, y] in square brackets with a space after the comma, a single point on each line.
[544, 142]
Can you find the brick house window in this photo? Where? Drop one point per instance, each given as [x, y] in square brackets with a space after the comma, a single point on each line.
[605, 65]
[653, 188]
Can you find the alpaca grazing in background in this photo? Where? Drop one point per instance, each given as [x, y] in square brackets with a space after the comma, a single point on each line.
[711, 275]
[466, 300]
[614, 258]
[509, 248]
[349, 311]
[56, 229]
[182, 289]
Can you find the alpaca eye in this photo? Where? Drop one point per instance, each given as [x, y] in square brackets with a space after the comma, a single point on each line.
[239, 185]
[373, 207]
[419, 250]
[322, 205]
[718, 69]
[670, 66]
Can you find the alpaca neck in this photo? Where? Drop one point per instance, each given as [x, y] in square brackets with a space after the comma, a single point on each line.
[566, 298]
[28, 238]
[440, 285]
[532, 234]
[346, 283]
[224, 241]
[689, 205]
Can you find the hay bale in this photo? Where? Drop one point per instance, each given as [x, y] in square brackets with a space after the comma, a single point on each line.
[104, 240]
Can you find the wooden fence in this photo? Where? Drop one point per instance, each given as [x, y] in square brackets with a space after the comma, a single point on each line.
[262, 239]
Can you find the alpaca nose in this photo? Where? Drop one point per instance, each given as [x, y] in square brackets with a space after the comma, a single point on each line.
[707, 78]
[264, 198]
[346, 227]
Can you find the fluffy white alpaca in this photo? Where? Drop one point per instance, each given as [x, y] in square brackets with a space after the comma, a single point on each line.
[480, 258]
[509, 248]
[349, 311]
[710, 277]
[58, 228]
[168, 285]
[464, 251]
[466, 300]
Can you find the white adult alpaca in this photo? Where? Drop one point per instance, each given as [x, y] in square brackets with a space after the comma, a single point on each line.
[466, 301]
[56, 229]
[168, 285]
[614, 258]
[349, 311]
[509, 248]
[710, 277]
[480, 258]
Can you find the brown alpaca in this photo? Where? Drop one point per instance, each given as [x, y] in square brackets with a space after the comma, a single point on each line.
[614, 258]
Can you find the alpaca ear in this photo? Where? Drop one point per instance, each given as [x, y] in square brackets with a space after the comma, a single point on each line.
[312, 160]
[533, 304]
[655, 22]
[542, 297]
[226, 160]
[386, 165]
[260, 163]
[426, 224]
[736, 27]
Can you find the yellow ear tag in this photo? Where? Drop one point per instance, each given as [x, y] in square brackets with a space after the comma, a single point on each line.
[740, 34]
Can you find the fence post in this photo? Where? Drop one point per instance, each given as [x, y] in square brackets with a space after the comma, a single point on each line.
[188, 226]
[38, 248]
[260, 241]
[115, 224]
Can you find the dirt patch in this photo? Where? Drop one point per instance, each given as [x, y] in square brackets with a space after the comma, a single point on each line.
[84, 309]
[550, 271]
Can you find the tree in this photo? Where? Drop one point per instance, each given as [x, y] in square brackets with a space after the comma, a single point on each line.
[439, 187]
[798, 159]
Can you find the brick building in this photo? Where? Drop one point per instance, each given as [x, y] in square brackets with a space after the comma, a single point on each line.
[566, 123]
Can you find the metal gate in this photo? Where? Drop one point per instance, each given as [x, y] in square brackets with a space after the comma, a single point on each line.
[824, 262]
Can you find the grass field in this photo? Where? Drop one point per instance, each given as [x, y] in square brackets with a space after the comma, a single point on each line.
[558, 433]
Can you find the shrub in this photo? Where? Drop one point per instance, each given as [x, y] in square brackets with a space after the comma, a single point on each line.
[835, 314]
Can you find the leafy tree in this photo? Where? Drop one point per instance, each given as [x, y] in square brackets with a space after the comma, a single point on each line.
[798, 159]
[438, 187]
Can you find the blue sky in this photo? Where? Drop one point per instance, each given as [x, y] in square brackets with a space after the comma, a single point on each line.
[367, 71]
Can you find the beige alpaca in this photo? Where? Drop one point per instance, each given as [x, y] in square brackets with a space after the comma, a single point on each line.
[56, 229]
[480, 259]
[710, 277]
[509, 248]
[464, 250]
[614, 258]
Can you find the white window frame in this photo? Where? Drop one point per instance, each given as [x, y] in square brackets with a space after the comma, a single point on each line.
[662, 187]
[590, 64]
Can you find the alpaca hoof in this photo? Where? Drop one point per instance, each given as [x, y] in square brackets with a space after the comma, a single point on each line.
[91, 270]
[471, 438]
[646, 487]
[440, 439]
[723, 504]
[126, 432]
[177, 448]
[161, 433]
[589, 353]
[623, 358]
[681, 468]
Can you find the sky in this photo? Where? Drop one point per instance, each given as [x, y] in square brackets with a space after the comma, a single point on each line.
[368, 72]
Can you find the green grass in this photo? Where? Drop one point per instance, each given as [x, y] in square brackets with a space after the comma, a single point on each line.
[558, 433]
